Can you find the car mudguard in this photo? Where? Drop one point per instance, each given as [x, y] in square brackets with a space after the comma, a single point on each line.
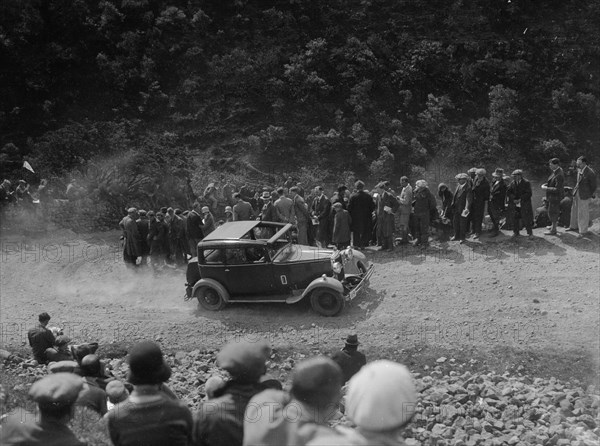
[323, 282]
[214, 284]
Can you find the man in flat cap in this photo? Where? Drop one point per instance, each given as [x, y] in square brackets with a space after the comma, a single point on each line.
[554, 193]
[497, 200]
[461, 203]
[481, 194]
[361, 207]
[349, 358]
[303, 415]
[220, 421]
[321, 208]
[55, 396]
[387, 205]
[132, 247]
[150, 416]
[518, 195]
[41, 338]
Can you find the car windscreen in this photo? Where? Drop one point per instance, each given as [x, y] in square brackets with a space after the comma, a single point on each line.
[211, 256]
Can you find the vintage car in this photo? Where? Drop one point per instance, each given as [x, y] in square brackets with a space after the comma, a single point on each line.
[257, 261]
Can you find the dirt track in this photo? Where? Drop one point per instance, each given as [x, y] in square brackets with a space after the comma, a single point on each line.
[532, 299]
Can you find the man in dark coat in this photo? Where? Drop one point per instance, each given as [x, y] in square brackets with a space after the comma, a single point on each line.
[220, 421]
[322, 210]
[41, 338]
[497, 200]
[361, 207]
[424, 206]
[387, 205]
[193, 229]
[481, 194]
[554, 193]
[143, 225]
[519, 200]
[565, 208]
[158, 239]
[349, 358]
[177, 237]
[242, 210]
[461, 203]
[341, 226]
[582, 193]
[132, 247]
[300, 216]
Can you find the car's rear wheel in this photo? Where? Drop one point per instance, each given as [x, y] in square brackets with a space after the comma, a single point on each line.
[210, 298]
[326, 302]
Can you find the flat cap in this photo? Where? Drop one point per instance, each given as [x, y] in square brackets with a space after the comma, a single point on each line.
[131, 210]
[244, 360]
[517, 172]
[472, 170]
[205, 210]
[317, 381]
[462, 176]
[58, 389]
[381, 396]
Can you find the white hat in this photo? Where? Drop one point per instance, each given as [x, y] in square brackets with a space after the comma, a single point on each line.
[381, 396]
[205, 210]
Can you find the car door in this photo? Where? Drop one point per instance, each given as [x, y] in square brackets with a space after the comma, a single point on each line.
[248, 271]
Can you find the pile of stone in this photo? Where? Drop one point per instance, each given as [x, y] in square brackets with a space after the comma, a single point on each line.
[458, 408]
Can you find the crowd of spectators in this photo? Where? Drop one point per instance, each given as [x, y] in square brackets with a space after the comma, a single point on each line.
[243, 404]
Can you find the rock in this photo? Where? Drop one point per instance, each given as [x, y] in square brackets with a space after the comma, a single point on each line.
[441, 359]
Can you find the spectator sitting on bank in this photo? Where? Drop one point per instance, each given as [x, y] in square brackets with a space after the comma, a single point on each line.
[55, 395]
[566, 203]
[148, 416]
[92, 395]
[60, 351]
[220, 422]
[349, 358]
[116, 393]
[41, 338]
[541, 215]
[313, 401]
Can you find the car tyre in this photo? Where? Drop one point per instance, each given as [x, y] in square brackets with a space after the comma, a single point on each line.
[326, 302]
[362, 268]
[210, 298]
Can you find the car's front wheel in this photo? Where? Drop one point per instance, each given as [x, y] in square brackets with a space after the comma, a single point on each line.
[326, 301]
[209, 298]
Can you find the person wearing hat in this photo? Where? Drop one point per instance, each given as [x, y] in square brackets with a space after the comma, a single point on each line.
[381, 400]
[193, 229]
[583, 192]
[300, 416]
[361, 207]
[132, 247]
[497, 200]
[242, 210]
[481, 194]
[149, 416]
[541, 218]
[342, 223]
[116, 393]
[210, 195]
[41, 338]
[92, 395]
[299, 216]
[554, 188]
[228, 214]
[425, 211]
[386, 206]
[339, 196]
[177, 238]
[159, 241]
[518, 196]
[55, 396]
[321, 209]
[349, 358]
[60, 351]
[268, 211]
[461, 204]
[143, 225]
[220, 421]
[208, 221]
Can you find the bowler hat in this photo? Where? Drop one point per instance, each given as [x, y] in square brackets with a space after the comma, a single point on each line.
[266, 195]
[90, 365]
[244, 360]
[352, 340]
[147, 365]
[58, 389]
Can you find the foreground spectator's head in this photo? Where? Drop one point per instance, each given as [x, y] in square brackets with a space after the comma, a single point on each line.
[212, 386]
[381, 397]
[116, 391]
[91, 366]
[244, 360]
[317, 382]
[55, 394]
[147, 365]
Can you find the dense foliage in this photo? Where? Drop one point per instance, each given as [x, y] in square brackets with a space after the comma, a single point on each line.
[374, 87]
